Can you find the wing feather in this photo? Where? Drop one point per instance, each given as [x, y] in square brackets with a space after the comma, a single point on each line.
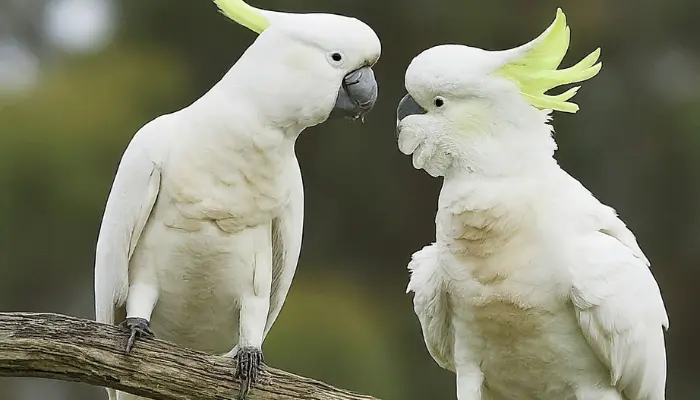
[431, 305]
[287, 232]
[131, 200]
[620, 310]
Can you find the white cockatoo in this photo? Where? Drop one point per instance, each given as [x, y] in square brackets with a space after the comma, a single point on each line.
[203, 226]
[533, 289]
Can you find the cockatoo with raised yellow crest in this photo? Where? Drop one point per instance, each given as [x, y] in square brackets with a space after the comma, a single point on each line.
[533, 289]
[203, 226]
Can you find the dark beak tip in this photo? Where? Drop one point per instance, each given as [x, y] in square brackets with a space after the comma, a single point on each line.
[357, 96]
[407, 107]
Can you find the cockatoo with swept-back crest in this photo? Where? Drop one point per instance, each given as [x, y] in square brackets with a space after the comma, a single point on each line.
[202, 230]
[533, 289]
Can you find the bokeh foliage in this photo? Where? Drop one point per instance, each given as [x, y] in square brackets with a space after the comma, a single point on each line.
[347, 320]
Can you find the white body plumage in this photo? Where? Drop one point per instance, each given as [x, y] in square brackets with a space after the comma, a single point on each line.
[203, 226]
[224, 200]
[533, 289]
[210, 226]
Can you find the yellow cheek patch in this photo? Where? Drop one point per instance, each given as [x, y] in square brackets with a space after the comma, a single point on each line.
[243, 14]
[472, 118]
[535, 70]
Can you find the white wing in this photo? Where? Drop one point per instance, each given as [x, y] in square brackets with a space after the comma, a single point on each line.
[286, 245]
[431, 305]
[619, 307]
[130, 202]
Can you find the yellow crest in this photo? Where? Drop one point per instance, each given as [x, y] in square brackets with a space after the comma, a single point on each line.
[244, 14]
[535, 69]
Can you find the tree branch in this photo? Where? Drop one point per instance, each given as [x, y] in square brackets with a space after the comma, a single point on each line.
[72, 349]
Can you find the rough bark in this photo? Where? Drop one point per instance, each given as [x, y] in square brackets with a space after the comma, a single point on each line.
[71, 349]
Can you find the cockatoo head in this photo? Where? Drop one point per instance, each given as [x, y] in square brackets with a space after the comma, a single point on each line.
[486, 112]
[307, 67]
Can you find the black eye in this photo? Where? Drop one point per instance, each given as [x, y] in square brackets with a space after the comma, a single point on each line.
[439, 102]
[337, 57]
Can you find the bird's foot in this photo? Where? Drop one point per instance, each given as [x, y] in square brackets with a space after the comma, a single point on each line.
[137, 328]
[249, 365]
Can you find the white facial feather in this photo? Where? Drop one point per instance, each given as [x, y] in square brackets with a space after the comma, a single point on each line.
[483, 126]
[289, 71]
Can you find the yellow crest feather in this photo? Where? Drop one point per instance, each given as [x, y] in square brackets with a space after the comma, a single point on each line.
[535, 72]
[243, 14]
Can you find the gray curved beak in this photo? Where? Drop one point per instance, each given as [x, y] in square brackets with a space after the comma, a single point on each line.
[357, 94]
[408, 106]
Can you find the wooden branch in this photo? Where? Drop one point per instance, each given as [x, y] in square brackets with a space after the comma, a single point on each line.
[72, 349]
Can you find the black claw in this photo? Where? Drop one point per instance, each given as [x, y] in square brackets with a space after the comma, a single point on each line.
[249, 364]
[137, 327]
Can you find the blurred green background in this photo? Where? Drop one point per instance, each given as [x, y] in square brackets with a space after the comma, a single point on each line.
[79, 77]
